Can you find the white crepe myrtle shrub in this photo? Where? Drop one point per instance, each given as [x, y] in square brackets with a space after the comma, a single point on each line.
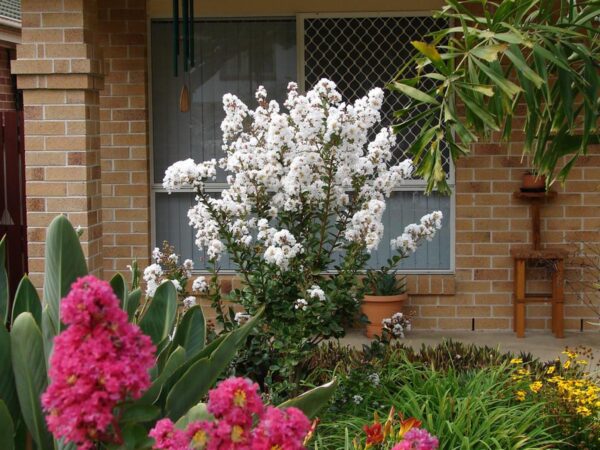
[306, 194]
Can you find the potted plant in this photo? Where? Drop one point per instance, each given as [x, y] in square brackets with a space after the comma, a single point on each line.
[533, 181]
[385, 294]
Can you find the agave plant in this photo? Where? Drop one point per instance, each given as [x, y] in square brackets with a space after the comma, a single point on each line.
[186, 365]
[494, 56]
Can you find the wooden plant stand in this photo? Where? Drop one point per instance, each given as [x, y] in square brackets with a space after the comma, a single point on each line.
[554, 256]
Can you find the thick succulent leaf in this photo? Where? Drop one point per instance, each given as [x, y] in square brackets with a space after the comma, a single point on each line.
[174, 362]
[312, 401]
[119, 287]
[65, 263]
[48, 332]
[191, 332]
[7, 428]
[29, 365]
[4, 293]
[27, 300]
[132, 303]
[196, 381]
[159, 318]
[8, 392]
[196, 413]
[139, 413]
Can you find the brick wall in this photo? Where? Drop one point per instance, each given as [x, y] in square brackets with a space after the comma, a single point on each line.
[124, 134]
[58, 69]
[7, 93]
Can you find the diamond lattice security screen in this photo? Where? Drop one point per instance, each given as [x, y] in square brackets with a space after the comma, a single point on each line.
[359, 53]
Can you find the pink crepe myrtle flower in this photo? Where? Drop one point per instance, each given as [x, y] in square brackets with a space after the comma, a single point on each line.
[167, 437]
[417, 439]
[281, 429]
[99, 361]
[235, 400]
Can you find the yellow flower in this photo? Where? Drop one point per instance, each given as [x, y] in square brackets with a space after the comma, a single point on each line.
[520, 395]
[536, 386]
[583, 411]
[516, 361]
[567, 364]
[550, 370]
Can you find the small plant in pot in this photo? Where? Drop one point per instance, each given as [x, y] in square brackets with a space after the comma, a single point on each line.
[384, 291]
[385, 294]
[533, 182]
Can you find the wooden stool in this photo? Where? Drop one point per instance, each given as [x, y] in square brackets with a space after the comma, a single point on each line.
[556, 297]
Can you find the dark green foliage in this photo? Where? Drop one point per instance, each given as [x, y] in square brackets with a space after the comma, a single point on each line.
[541, 53]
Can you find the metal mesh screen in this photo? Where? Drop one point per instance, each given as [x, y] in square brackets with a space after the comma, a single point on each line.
[360, 53]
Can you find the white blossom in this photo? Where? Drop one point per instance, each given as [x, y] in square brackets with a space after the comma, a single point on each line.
[241, 318]
[151, 276]
[316, 292]
[177, 285]
[200, 285]
[301, 304]
[357, 399]
[188, 302]
[414, 234]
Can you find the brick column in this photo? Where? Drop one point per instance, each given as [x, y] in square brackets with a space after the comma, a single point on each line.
[59, 70]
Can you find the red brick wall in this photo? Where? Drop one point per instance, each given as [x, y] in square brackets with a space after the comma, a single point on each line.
[7, 92]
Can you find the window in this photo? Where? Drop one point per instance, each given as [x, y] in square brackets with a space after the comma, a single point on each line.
[236, 56]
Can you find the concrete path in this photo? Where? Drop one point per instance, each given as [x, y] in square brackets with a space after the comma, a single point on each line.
[541, 344]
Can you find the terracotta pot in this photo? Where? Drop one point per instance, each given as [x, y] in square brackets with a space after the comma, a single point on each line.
[379, 307]
[533, 183]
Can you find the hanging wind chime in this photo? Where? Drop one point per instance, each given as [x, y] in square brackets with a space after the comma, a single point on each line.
[187, 39]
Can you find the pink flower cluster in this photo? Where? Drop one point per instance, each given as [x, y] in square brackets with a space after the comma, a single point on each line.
[235, 404]
[99, 360]
[417, 439]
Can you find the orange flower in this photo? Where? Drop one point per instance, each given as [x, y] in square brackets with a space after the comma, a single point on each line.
[374, 434]
[407, 425]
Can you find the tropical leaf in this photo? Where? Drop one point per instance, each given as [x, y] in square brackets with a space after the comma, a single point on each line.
[119, 287]
[8, 391]
[311, 402]
[132, 303]
[489, 53]
[27, 300]
[159, 318]
[191, 332]
[194, 384]
[29, 366]
[64, 263]
[414, 93]
[7, 428]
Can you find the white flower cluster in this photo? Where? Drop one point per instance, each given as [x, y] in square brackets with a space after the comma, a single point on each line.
[396, 325]
[152, 275]
[200, 285]
[282, 248]
[188, 174]
[188, 302]
[301, 304]
[316, 292]
[304, 160]
[414, 234]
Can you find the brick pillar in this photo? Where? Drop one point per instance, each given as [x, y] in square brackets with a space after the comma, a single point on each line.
[59, 70]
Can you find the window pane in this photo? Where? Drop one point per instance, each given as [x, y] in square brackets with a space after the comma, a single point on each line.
[231, 56]
[360, 53]
[402, 208]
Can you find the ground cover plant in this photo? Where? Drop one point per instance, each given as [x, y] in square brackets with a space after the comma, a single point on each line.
[470, 397]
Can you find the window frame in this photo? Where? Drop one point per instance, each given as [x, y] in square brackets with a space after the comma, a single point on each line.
[299, 18]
